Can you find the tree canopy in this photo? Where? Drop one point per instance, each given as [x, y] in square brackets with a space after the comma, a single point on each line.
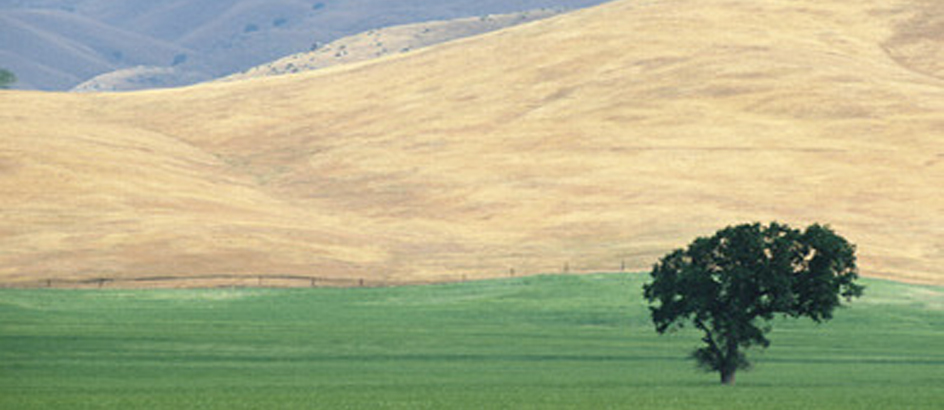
[6, 78]
[732, 284]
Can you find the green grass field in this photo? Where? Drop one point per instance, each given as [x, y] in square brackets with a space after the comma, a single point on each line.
[579, 342]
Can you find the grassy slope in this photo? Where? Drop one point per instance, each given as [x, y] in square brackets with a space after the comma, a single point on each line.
[54, 45]
[54, 49]
[391, 40]
[607, 135]
[542, 342]
[355, 48]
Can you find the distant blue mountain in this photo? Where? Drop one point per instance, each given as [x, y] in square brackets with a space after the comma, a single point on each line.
[57, 44]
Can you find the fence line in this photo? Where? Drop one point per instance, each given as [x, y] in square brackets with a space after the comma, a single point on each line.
[256, 281]
[217, 281]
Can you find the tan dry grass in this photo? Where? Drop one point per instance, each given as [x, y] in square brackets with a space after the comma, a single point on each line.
[601, 137]
[390, 40]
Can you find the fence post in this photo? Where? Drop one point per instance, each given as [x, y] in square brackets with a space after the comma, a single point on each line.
[566, 267]
[360, 282]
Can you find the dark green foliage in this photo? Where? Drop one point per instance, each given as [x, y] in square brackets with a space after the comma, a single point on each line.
[6, 78]
[732, 284]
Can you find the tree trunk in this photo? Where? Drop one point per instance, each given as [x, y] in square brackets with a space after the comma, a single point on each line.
[731, 360]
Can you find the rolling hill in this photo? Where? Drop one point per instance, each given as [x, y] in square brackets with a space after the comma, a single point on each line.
[140, 78]
[391, 40]
[590, 141]
[55, 49]
[58, 44]
[359, 47]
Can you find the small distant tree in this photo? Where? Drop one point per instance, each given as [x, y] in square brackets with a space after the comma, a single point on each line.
[6, 78]
[732, 284]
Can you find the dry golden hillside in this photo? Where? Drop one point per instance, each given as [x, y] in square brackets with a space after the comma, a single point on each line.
[391, 40]
[587, 141]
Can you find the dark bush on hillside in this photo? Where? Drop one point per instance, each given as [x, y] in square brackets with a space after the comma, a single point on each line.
[6, 78]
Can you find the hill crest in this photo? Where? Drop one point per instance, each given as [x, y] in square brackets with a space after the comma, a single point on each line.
[590, 141]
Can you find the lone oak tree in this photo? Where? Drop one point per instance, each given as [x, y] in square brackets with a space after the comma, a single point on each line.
[732, 284]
